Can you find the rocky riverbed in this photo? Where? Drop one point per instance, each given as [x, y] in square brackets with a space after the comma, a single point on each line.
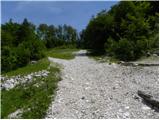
[90, 89]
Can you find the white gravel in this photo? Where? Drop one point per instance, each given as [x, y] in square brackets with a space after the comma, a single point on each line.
[8, 83]
[98, 90]
[15, 115]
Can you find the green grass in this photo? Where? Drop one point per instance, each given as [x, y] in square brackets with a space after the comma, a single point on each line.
[61, 53]
[33, 100]
[40, 65]
[43, 63]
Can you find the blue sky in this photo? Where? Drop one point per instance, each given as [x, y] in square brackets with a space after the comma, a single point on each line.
[76, 14]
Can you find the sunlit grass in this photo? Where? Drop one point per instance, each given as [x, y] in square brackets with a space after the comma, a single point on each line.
[40, 65]
[61, 53]
[33, 100]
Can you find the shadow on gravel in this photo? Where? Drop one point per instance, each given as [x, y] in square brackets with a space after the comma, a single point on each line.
[151, 106]
[149, 100]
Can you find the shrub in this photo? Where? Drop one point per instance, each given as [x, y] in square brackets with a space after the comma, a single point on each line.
[110, 46]
[20, 45]
[126, 31]
[123, 49]
[23, 55]
[9, 59]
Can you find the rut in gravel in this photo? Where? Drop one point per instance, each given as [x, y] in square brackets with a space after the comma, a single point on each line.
[90, 89]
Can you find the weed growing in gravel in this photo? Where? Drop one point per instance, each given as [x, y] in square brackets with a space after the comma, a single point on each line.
[33, 98]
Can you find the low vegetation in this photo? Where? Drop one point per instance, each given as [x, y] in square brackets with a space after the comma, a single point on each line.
[32, 100]
[64, 53]
[61, 53]
[40, 65]
[23, 43]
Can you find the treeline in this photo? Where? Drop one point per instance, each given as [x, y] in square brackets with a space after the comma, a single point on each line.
[127, 31]
[64, 36]
[22, 43]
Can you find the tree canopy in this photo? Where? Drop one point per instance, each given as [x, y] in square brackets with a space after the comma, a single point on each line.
[126, 31]
[22, 43]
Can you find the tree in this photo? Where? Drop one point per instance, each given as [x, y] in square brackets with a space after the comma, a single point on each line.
[42, 31]
[97, 31]
[57, 36]
[20, 45]
[26, 32]
[128, 30]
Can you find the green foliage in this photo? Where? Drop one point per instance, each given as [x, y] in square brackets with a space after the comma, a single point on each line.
[126, 50]
[26, 32]
[61, 53]
[33, 100]
[123, 49]
[9, 59]
[128, 30]
[23, 55]
[40, 65]
[97, 31]
[35, 48]
[22, 43]
[57, 36]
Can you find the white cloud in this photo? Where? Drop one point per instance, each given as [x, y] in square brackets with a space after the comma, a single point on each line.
[22, 5]
[38, 5]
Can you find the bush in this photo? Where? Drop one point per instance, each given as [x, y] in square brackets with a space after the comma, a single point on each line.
[154, 41]
[9, 59]
[23, 55]
[20, 45]
[123, 49]
[36, 49]
[127, 31]
[110, 46]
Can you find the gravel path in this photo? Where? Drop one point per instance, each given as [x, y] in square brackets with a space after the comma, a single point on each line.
[98, 90]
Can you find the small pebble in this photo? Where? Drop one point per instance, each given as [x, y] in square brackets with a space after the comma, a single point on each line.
[127, 107]
[126, 114]
[83, 98]
[146, 108]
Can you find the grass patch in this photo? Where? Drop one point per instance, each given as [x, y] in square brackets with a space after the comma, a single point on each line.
[43, 63]
[61, 53]
[32, 99]
[40, 65]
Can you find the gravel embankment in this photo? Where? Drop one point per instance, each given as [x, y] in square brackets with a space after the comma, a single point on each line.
[98, 90]
[8, 83]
